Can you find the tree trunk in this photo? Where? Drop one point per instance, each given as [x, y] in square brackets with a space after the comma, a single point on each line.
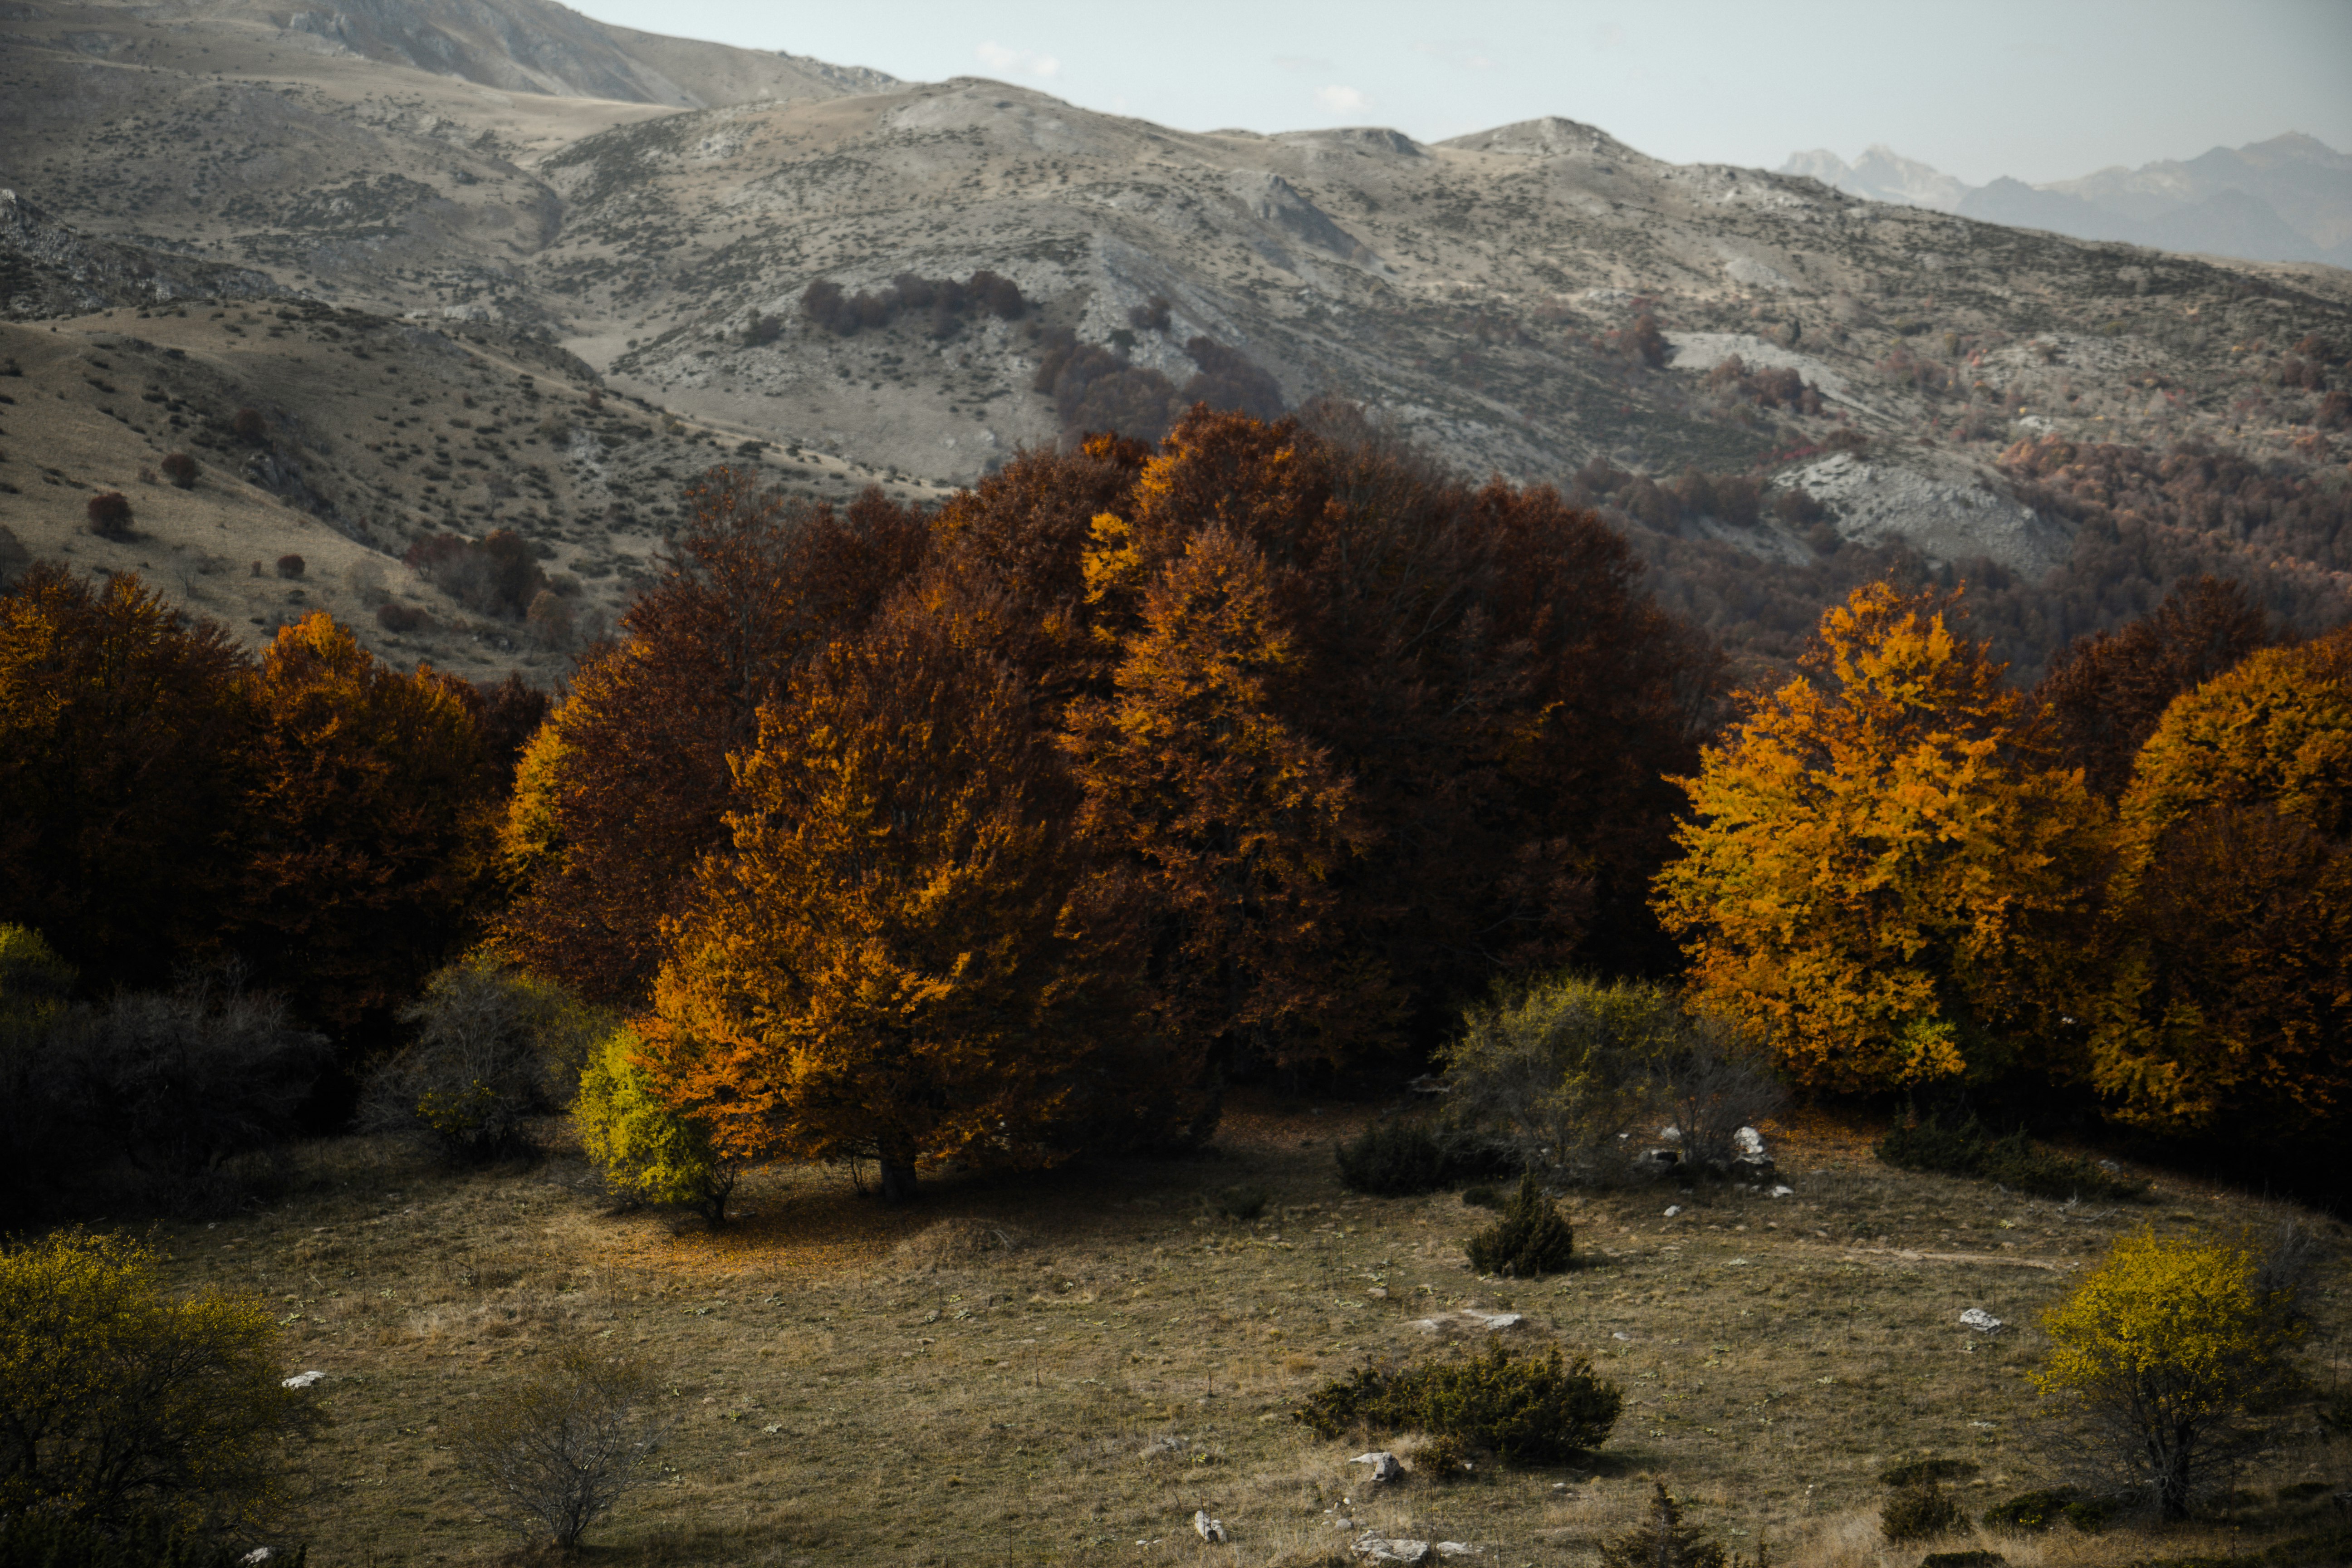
[897, 1179]
[2172, 1479]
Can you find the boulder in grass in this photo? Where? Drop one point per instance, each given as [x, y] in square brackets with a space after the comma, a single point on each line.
[1385, 1466]
[1982, 1321]
[304, 1379]
[1208, 1529]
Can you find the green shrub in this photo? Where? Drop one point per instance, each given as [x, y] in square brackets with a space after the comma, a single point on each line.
[1529, 1240]
[644, 1148]
[1392, 1160]
[54, 1540]
[1578, 1077]
[127, 1405]
[1967, 1148]
[1918, 1512]
[1242, 1202]
[1918, 1472]
[494, 1047]
[1543, 1410]
[2093, 1514]
[2034, 1510]
[1661, 1540]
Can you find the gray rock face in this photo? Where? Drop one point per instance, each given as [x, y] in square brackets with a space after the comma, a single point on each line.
[1385, 1466]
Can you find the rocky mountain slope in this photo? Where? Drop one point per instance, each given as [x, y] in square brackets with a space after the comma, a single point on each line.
[1538, 300]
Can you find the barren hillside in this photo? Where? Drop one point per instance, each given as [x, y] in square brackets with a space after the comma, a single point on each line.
[1526, 300]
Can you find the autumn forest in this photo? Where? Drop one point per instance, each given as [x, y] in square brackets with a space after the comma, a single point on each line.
[988, 836]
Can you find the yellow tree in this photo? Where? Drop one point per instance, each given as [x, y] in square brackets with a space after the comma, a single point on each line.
[118, 1400]
[896, 957]
[2163, 1346]
[2230, 996]
[1880, 874]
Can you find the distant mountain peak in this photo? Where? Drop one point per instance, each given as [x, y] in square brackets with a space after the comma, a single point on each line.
[1881, 174]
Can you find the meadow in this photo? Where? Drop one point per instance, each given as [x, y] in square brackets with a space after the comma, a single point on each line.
[1064, 1368]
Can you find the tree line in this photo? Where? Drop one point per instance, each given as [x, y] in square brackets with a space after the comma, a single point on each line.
[1004, 830]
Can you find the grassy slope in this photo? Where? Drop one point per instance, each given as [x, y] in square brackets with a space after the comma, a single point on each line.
[391, 431]
[859, 1385]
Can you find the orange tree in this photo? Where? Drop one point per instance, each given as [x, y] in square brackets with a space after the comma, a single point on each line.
[896, 956]
[1480, 667]
[123, 728]
[2230, 996]
[369, 825]
[627, 787]
[1239, 823]
[1879, 872]
[2105, 693]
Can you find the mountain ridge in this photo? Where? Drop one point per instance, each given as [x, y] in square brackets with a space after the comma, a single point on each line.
[1538, 301]
[2285, 199]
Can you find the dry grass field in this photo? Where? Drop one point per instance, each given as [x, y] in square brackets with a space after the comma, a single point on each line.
[1062, 1369]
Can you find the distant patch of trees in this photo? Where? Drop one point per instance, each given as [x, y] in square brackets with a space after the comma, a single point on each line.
[166, 799]
[1096, 388]
[944, 301]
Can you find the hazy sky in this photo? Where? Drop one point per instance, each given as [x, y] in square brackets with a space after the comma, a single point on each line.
[2042, 91]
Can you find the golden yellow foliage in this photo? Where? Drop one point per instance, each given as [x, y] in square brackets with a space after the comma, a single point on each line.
[646, 1147]
[2164, 1345]
[893, 958]
[2231, 923]
[120, 1399]
[1880, 875]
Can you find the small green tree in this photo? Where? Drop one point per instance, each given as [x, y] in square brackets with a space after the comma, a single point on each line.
[119, 1402]
[1661, 1540]
[1531, 1238]
[2163, 1348]
[645, 1147]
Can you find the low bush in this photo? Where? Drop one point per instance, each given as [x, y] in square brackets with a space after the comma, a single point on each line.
[1242, 1202]
[494, 1047]
[395, 616]
[181, 470]
[1920, 1512]
[1545, 1411]
[1529, 1241]
[644, 1148]
[291, 567]
[1661, 1540]
[1393, 1159]
[1966, 1147]
[2035, 1511]
[110, 514]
